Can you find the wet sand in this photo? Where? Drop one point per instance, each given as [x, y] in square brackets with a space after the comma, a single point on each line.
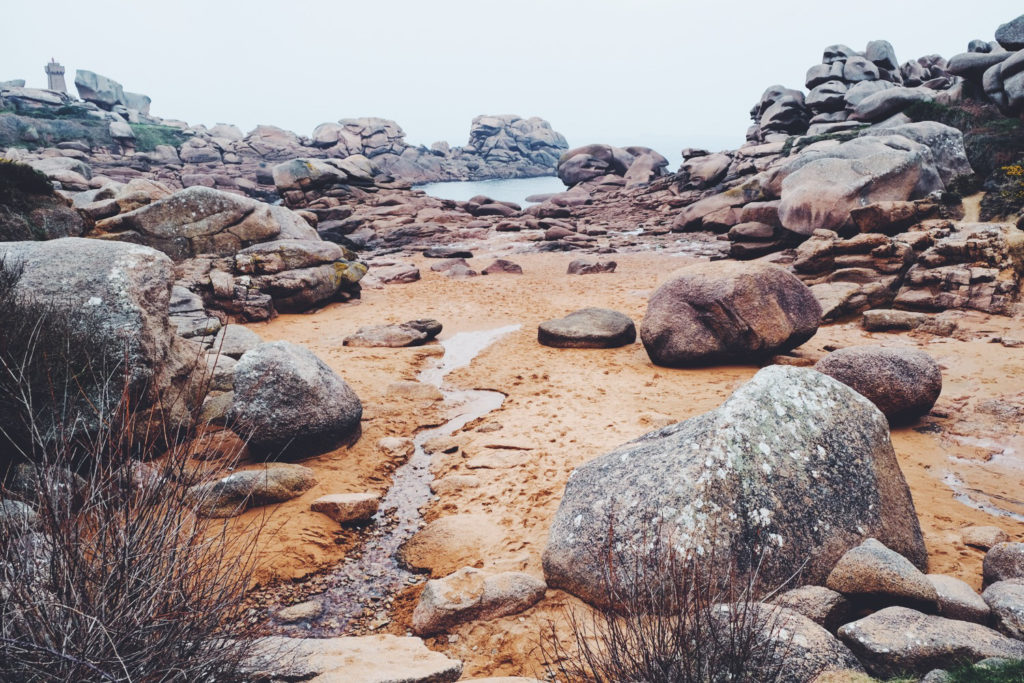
[566, 406]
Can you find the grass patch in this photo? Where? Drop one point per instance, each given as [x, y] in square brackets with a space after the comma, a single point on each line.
[1008, 672]
[148, 136]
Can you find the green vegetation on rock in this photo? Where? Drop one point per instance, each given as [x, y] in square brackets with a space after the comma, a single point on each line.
[148, 136]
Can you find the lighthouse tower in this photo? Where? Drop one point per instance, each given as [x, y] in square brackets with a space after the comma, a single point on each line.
[55, 77]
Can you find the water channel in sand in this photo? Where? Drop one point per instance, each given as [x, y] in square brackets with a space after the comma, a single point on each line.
[362, 585]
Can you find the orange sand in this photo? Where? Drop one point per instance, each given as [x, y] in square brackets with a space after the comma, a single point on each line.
[567, 406]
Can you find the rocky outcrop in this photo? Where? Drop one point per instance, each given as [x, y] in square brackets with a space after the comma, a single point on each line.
[794, 466]
[976, 266]
[720, 312]
[201, 220]
[639, 165]
[289, 403]
[903, 383]
[848, 87]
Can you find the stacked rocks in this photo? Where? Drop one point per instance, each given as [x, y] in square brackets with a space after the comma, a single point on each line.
[849, 87]
[996, 69]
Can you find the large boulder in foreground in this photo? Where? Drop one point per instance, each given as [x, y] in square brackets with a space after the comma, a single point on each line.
[793, 461]
[903, 383]
[121, 294]
[289, 403]
[727, 311]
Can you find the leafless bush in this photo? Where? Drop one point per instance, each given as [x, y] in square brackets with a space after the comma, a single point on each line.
[671, 618]
[106, 573]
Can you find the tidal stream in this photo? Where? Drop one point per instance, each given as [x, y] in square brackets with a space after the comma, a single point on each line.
[362, 586]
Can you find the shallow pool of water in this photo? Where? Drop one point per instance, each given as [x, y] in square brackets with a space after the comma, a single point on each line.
[515, 190]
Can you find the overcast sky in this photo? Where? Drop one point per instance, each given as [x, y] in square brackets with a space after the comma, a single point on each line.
[654, 72]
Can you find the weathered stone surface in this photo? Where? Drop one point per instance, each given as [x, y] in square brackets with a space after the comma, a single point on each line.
[807, 648]
[589, 267]
[451, 542]
[265, 485]
[98, 89]
[289, 403]
[889, 320]
[197, 220]
[412, 333]
[397, 274]
[303, 611]
[875, 574]
[898, 641]
[347, 507]
[235, 340]
[1004, 561]
[1006, 600]
[819, 189]
[356, 659]
[470, 594]
[718, 311]
[503, 266]
[589, 328]
[1011, 34]
[975, 266]
[903, 383]
[824, 607]
[957, 600]
[803, 463]
[125, 287]
[983, 537]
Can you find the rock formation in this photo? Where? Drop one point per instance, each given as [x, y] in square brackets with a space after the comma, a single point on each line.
[794, 493]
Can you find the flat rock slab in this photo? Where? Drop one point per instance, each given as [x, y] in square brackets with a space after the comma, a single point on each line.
[957, 600]
[447, 252]
[589, 328]
[897, 641]
[359, 659]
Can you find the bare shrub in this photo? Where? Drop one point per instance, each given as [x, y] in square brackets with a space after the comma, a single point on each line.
[108, 575]
[671, 618]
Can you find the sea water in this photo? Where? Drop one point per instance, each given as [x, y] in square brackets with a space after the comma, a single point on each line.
[515, 190]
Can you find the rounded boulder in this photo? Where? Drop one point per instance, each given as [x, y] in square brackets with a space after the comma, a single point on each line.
[903, 383]
[728, 312]
[289, 403]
